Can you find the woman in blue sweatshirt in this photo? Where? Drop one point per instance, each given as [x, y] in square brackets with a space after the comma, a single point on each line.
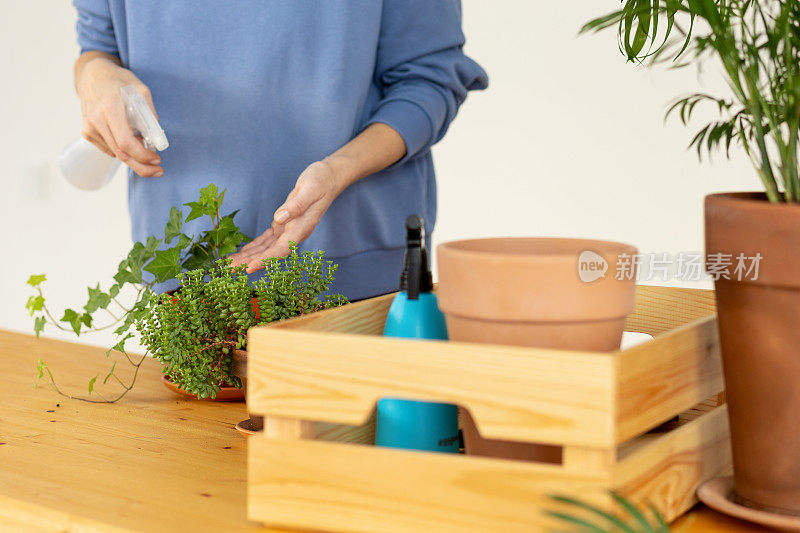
[298, 108]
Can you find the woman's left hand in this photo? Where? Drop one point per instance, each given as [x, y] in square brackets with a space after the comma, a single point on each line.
[315, 190]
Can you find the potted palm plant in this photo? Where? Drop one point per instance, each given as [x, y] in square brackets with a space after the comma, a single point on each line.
[752, 238]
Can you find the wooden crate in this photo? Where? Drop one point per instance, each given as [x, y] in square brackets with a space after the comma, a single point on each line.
[317, 378]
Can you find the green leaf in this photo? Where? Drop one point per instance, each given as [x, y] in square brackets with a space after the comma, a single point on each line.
[197, 210]
[35, 303]
[113, 291]
[208, 204]
[142, 253]
[174, 226]
[225, 229]
[91, 384]
[127, 273]
[632, 510]
[97, 299]
[38, 325]
[120, 345]
[211, 196]
[41, 366]
[36, 279]
[74, 319]
[622, 526]
[200, 256]
[166, 265]
[585, 525]
[184, 241]
[110, 373]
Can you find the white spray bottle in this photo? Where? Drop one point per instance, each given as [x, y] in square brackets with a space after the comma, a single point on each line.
[86, 167]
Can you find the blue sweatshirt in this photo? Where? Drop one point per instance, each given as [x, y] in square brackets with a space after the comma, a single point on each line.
[251, 92]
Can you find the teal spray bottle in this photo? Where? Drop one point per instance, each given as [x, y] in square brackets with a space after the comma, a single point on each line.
[415, 314]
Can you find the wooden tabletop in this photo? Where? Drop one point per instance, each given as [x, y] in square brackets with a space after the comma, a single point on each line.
[152, 462]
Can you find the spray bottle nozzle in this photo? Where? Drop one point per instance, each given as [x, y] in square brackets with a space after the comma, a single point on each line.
[142, 120]
[416, 277]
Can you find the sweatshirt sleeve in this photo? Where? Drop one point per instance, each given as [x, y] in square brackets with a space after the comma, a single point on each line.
[95, 28]
[422, 70]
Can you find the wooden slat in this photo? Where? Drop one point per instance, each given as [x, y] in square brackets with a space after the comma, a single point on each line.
[546, 396]
[325, 431]
[664, 377]
[350, 488]
[582, 457]
[365, 318]
[668, 470]
[661, 309]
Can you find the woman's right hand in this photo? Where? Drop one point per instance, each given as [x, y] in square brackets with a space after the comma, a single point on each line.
[98, 80]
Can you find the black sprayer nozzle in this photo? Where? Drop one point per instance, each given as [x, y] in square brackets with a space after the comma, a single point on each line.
[416, 277]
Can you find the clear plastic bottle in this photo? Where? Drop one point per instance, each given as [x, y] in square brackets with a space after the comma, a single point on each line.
[86, 167]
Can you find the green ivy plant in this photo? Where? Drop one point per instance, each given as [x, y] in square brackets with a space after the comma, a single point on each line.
[213, 300]
[757, 44]
[588, 518]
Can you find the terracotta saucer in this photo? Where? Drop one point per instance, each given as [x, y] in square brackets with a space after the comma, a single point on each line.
[250, 426]
[717, 495]
[226, 393]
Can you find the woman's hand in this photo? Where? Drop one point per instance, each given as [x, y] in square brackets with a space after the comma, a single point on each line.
[374, 149]
[98, 80]
[315, 190]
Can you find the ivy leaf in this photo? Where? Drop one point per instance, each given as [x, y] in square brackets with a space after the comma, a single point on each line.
[174, 226]
[41, 366]
[73, 318]
[91, 384]
[113, 291]
[184, 241]
[38, 325]
[110, 372]
[197, 210]
[223, 231]
[208, 204]
[120, 346]
[142, 253]
[166, 265]
[127, 273]
[97, 299]
[199, 257]
[35, 303]
[36, 279]
[130, 318]
[210, 196]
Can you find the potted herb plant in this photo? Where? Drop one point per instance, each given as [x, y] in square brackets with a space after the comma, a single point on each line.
[752, 238]
[197, 332]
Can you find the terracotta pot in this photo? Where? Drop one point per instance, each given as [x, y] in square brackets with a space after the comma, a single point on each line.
[256, 422]
[226, 392]
[759, 325]
[534, 292]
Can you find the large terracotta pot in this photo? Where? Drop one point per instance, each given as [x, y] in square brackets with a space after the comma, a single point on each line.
[538, 292]
[759, 324]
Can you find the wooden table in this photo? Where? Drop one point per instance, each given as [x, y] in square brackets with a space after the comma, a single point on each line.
[152, 462]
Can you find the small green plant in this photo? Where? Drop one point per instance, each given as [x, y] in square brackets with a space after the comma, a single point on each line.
[214, 301]
[757, 44]
[194, 331]
[591, 519]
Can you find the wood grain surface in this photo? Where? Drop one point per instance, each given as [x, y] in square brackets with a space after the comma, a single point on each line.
[153, 462]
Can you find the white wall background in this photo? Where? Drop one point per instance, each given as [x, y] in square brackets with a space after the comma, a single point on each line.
[568, 141]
